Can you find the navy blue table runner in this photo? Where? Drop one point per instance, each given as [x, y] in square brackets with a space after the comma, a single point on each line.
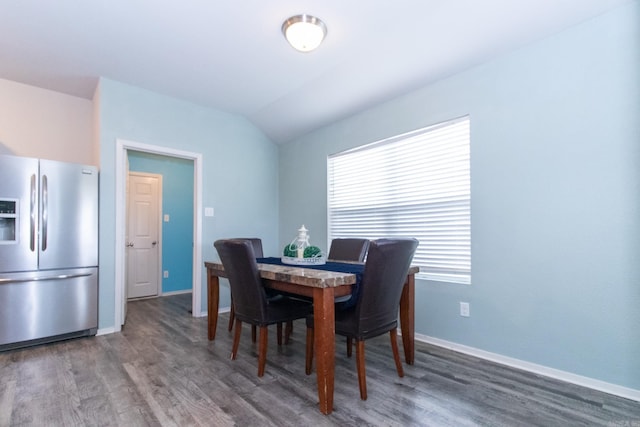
[341, 267]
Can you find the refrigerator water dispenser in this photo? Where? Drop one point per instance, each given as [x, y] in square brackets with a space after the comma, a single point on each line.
[8, 221]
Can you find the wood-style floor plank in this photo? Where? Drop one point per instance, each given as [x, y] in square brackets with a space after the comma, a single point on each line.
[161, 370]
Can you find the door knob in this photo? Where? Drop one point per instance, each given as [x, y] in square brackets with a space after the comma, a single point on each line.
[130, 244]
[154, 243]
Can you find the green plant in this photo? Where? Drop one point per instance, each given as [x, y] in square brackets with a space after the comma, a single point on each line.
[312, 252]
[290, 250]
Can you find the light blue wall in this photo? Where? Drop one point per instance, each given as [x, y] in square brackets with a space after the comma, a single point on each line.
[555, 177]
[248, 206]
[177, 202]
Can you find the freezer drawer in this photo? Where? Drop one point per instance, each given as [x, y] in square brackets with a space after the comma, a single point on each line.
[46, 305]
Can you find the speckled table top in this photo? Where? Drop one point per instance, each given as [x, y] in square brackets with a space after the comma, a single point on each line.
[293, 274]
[298, 275]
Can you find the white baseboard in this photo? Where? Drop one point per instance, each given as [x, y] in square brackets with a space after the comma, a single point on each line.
[627, 393]
[168, 294]
[106, 331]
[222, 310]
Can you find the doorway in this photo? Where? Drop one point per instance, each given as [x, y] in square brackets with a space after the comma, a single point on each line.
[122, 148]
[176, 218]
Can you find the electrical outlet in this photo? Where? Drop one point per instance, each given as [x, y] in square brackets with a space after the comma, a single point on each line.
[464, 309]
[165, 274]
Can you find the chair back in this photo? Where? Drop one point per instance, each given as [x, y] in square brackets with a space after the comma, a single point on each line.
[385, 272]
[239, 261]
[348, 249]
[256, 242]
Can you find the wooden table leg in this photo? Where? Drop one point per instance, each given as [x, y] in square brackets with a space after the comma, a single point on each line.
[213, 300]
[407, 318]
[324, 345]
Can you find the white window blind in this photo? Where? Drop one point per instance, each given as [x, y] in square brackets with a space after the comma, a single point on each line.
[413, 185]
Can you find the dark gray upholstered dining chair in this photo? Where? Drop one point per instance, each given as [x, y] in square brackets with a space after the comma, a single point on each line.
[250, 299]
[256, 242]
[376, 309]
[257, 250]
[348, 249]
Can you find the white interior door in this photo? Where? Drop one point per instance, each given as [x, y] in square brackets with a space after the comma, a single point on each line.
[143, 235]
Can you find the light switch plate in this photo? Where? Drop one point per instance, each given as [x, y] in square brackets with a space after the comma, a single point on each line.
[464, 309]
[208, 211]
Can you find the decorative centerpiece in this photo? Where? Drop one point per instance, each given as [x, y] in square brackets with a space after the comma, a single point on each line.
[301, 252]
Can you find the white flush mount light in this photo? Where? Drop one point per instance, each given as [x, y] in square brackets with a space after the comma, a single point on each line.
[304, 32]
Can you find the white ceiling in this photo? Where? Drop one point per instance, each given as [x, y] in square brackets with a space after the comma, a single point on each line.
[231, 55]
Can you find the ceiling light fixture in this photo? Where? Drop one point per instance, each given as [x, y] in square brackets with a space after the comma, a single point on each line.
[304, 32]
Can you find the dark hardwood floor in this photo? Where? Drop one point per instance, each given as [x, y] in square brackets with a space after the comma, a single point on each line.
[162, 371]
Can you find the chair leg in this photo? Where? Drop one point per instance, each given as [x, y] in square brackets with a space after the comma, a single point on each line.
[349, 346]
[396, 355]
[232, 315]
[288, 330]
[253, 333]
[309, 352]
[362, 375]
[279, 332]
[236, 339]
[262, 350]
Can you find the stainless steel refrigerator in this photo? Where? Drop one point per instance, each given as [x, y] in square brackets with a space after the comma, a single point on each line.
[48, 251]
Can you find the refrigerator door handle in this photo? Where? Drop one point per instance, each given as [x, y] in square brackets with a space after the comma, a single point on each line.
[32, 238]
[56, 277]
[45, 210]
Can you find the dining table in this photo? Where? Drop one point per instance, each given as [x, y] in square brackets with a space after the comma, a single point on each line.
[323, 286]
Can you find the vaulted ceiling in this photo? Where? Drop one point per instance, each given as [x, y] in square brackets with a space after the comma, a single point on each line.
[231, 55]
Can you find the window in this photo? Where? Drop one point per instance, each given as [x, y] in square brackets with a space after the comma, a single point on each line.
[413, 185]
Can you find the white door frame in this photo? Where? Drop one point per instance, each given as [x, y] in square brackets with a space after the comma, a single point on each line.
[122, 146]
